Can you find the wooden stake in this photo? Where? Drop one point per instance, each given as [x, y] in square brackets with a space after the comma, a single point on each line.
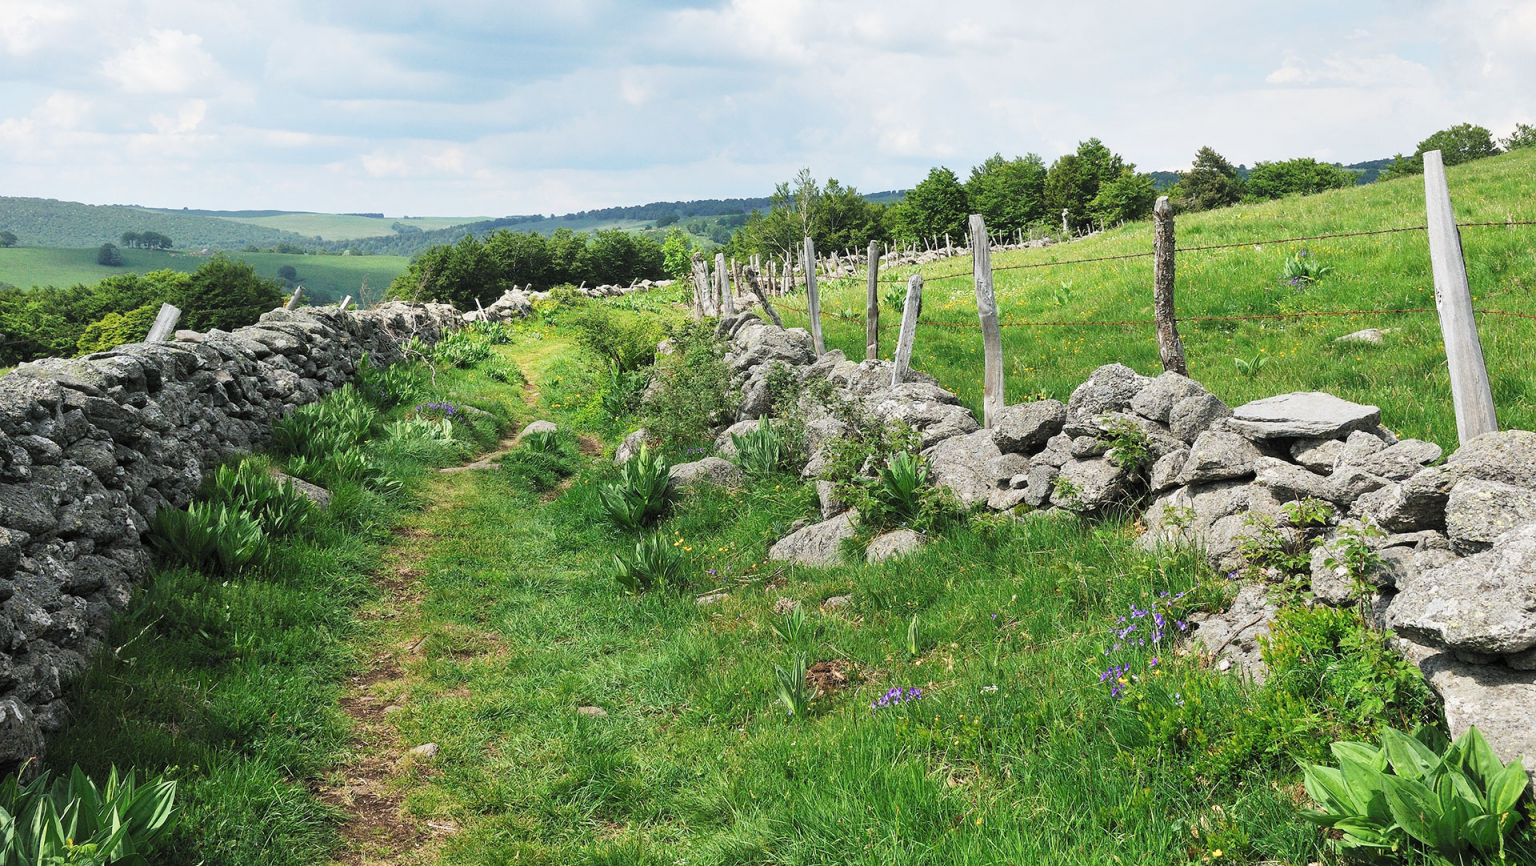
[1169, 347]
[293, 302]
[1470, 392]
[986, 310]
[701, 305]
[812, 300]
[910, 310]
[754, 279]
[346, 302]
[872, 305]
[165, 324]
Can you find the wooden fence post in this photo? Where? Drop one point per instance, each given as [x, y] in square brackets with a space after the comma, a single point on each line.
[1169, 347]
[754, 279]
[727, 305]
[1470, 392]
[986, 310]
[347, 302]
[701, 307]
[293, 302]
[872, 305]
[812, 301]
[910, 310]
[165, 324]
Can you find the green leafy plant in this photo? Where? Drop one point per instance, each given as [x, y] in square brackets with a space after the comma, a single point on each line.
[622, 391]
[623, 341]
[898, 492]
[248, 486]
[542, 441]
[694, 395]
[345, 467]
[914, 645]
[391, 386]
[1250, 368]
[209, 537]
[502, 370]
[1277, 553]
[1067, 491]
[496, 333]
[462, 348]
[794, 692]
[1128, 446]
[761, 452]
[654, 564]
[72, 821]
[1303, 269]
[896, 300]
[339, 422]
[794, 628]
[1354, 554]
[641, 494]
[1307, 513]
[1446, 798]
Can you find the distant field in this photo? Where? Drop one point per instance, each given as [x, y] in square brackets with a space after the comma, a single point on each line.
[325, 278]
[340, 227]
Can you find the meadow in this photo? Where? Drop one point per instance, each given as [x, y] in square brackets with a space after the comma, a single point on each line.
[1406, 375]
[325, 278]
[345, 227]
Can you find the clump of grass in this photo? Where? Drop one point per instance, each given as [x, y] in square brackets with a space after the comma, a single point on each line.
[641, 494]
[213, 538]
[654, 564]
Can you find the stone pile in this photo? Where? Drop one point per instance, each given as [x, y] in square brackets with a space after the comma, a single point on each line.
[518, 303]
[1456, 540]
[92, 447]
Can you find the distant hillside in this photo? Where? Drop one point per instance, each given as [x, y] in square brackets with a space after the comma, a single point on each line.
[46, 222]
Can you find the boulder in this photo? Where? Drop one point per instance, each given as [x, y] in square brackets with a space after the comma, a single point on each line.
[960, 465]
[1214, 517]
[1155, 402]
[1317, 455]
[313, 492]
[1159, 440]
[1108, 389]
[709, 472]
[893, 544]
[1165, 472]
[1373, 336]
[725, 446]
[1508, 456]
[1087, 485]
[1358, 446]
[1483, 604]
[1007, 467]
[1398, 462]
[1233, 636]
[826, 494]
[21, 737]
[1349, 483]
[1302, 415]
[817, 544]
[1499, 701]
[1478, 511]
[1192, 416]
[1058, 450]
[1218, 456]
[1040, 484]
[630, 446]
[1415, 504]
[1023, 428]
[536, 427]
[1289, 481]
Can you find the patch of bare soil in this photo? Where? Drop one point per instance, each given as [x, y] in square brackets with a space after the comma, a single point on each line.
[828, 676]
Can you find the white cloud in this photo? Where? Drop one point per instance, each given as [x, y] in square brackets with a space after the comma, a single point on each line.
[168, 61]
[26, 26]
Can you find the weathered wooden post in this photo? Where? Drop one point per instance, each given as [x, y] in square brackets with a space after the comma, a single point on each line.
[165, 324]
[1470, 392]
[986, 310]
[872, 305]
[726, 306]
[478, 306]
[347, 302]
[701, 306]
[910, 310]
[812, 300]
[754, 279]
[1169, 347]
[293, 302]
[1065, 228]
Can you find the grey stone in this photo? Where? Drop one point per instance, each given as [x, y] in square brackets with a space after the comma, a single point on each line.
[1110, 388]
[1317, 455]
[1349, 483]
[1507, 456]
[1500, 702]
[1007, 498]
[725, 445]
[1007, 467]
[893, 544]
[1214, 517]
[1233, 638]
[1159, 440]
[1165, 472]
[1303, 414]
[1089, 446]
[533, 427]
[424, 752]
[1157, 399]
[1415, 504]
[1058, 450]
[20, 736]
[1023, 428]
[931, 411]
[1522, 661]
[1358, 446]
[1401, 461]
[826, 493]
[710, 598]
[1478, 511]
[1373, 336]
[1484, 603]
[709, 472]
[630, 446]
[959, 464]
[817, 544]
[313, 492]
[758, 343]
[1089, 485]
[1289, 481]
[1194, 415]
[1218, 456]
[1041, 483]
[836, 602]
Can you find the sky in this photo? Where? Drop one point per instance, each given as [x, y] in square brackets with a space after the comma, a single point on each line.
[471, 108]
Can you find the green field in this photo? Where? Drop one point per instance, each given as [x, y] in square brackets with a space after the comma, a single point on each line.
[342, 227]
[325, 278]
[1406, 376]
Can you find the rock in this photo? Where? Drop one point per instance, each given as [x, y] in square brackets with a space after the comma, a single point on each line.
[1332, 583]
[1108, 389]
[1484, 603]
[1317, 455]
[959, 464]
[1218, 456]
[1007, 467]
[1158, 439]
[893, 544]
[1525, 661]
[756, 343]
[933, 412]
[836, 602]
[630, 447]
[1232, 637]
[1303, 414]
[424, 752]
[817, 544]
[1156, 401]
[1089, 485]
[1214, 517]
[711, 471]
[831, 506]
[1479, 511]
[536, 427]
[1499, 701]
[1508, 456]
[1024, 427]
[725, 445]
[1289, 481]
[313, 492]
[1374, 336]
[1165, 472]
[1058, 450]
[1396, 462]
[1349, 483]
[594, 712]
[1415, 504]
[1007, 498]
[1194, 415]
[20, 736]
[1089, 446]
[1041, 484]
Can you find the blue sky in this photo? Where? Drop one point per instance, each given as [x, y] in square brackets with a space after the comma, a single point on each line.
[494, 108]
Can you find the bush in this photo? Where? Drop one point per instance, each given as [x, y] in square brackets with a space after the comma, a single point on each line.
[654, 564]
[641, 494]
[1446, 797]
[1271, 180]
[115, 329]
[462, 348]
[1303, 269]
[762, 452]
[247, 486]
[71, 821]
[695, 395]
[108, 255]
[391, 386]
[898, 492]
[211, 538]
[624, 342]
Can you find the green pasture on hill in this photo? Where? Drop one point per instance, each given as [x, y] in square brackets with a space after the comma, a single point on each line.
[1406, 376]
[344, 227]
[325, 278]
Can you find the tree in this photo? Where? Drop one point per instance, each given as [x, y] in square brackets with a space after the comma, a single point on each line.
[115, 329]
[225, 293]
[1211, 182]
[936, 206]
[108, 254]
[1074, 179]
[1128, 197]
[1305, 176]
[288, 273]
[1461, 143]
[1523, 136]
[1009, 194]
[834, 217]
[129, 239]
[677, 255]
[7, 239]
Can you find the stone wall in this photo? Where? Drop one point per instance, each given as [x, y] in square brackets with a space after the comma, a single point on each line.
[92, 447]
[1457, 540]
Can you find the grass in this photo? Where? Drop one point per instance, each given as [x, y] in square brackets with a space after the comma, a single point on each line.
[344, 227]
[325, 278]
[1406, 376]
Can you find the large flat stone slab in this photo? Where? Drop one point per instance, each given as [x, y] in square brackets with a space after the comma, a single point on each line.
[1499, 701]
[1302, 415]
[1482, 604]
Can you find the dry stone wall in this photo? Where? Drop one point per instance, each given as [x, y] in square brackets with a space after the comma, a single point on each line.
[1456, 540]
[92, 447]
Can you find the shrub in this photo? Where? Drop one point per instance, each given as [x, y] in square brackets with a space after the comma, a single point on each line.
[898, 492]
[462, 348]
[247, 486]
[108, 255]
[624, 342]
[71, 820]
[343, 467]
[641, 494]
[761, 452]
[623, 390]
[1447, 798]
[654, 564]
[211, 538]
[391, 386]
[1128, 446]
[1305, 176]
[115, 329]
[695, 395]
